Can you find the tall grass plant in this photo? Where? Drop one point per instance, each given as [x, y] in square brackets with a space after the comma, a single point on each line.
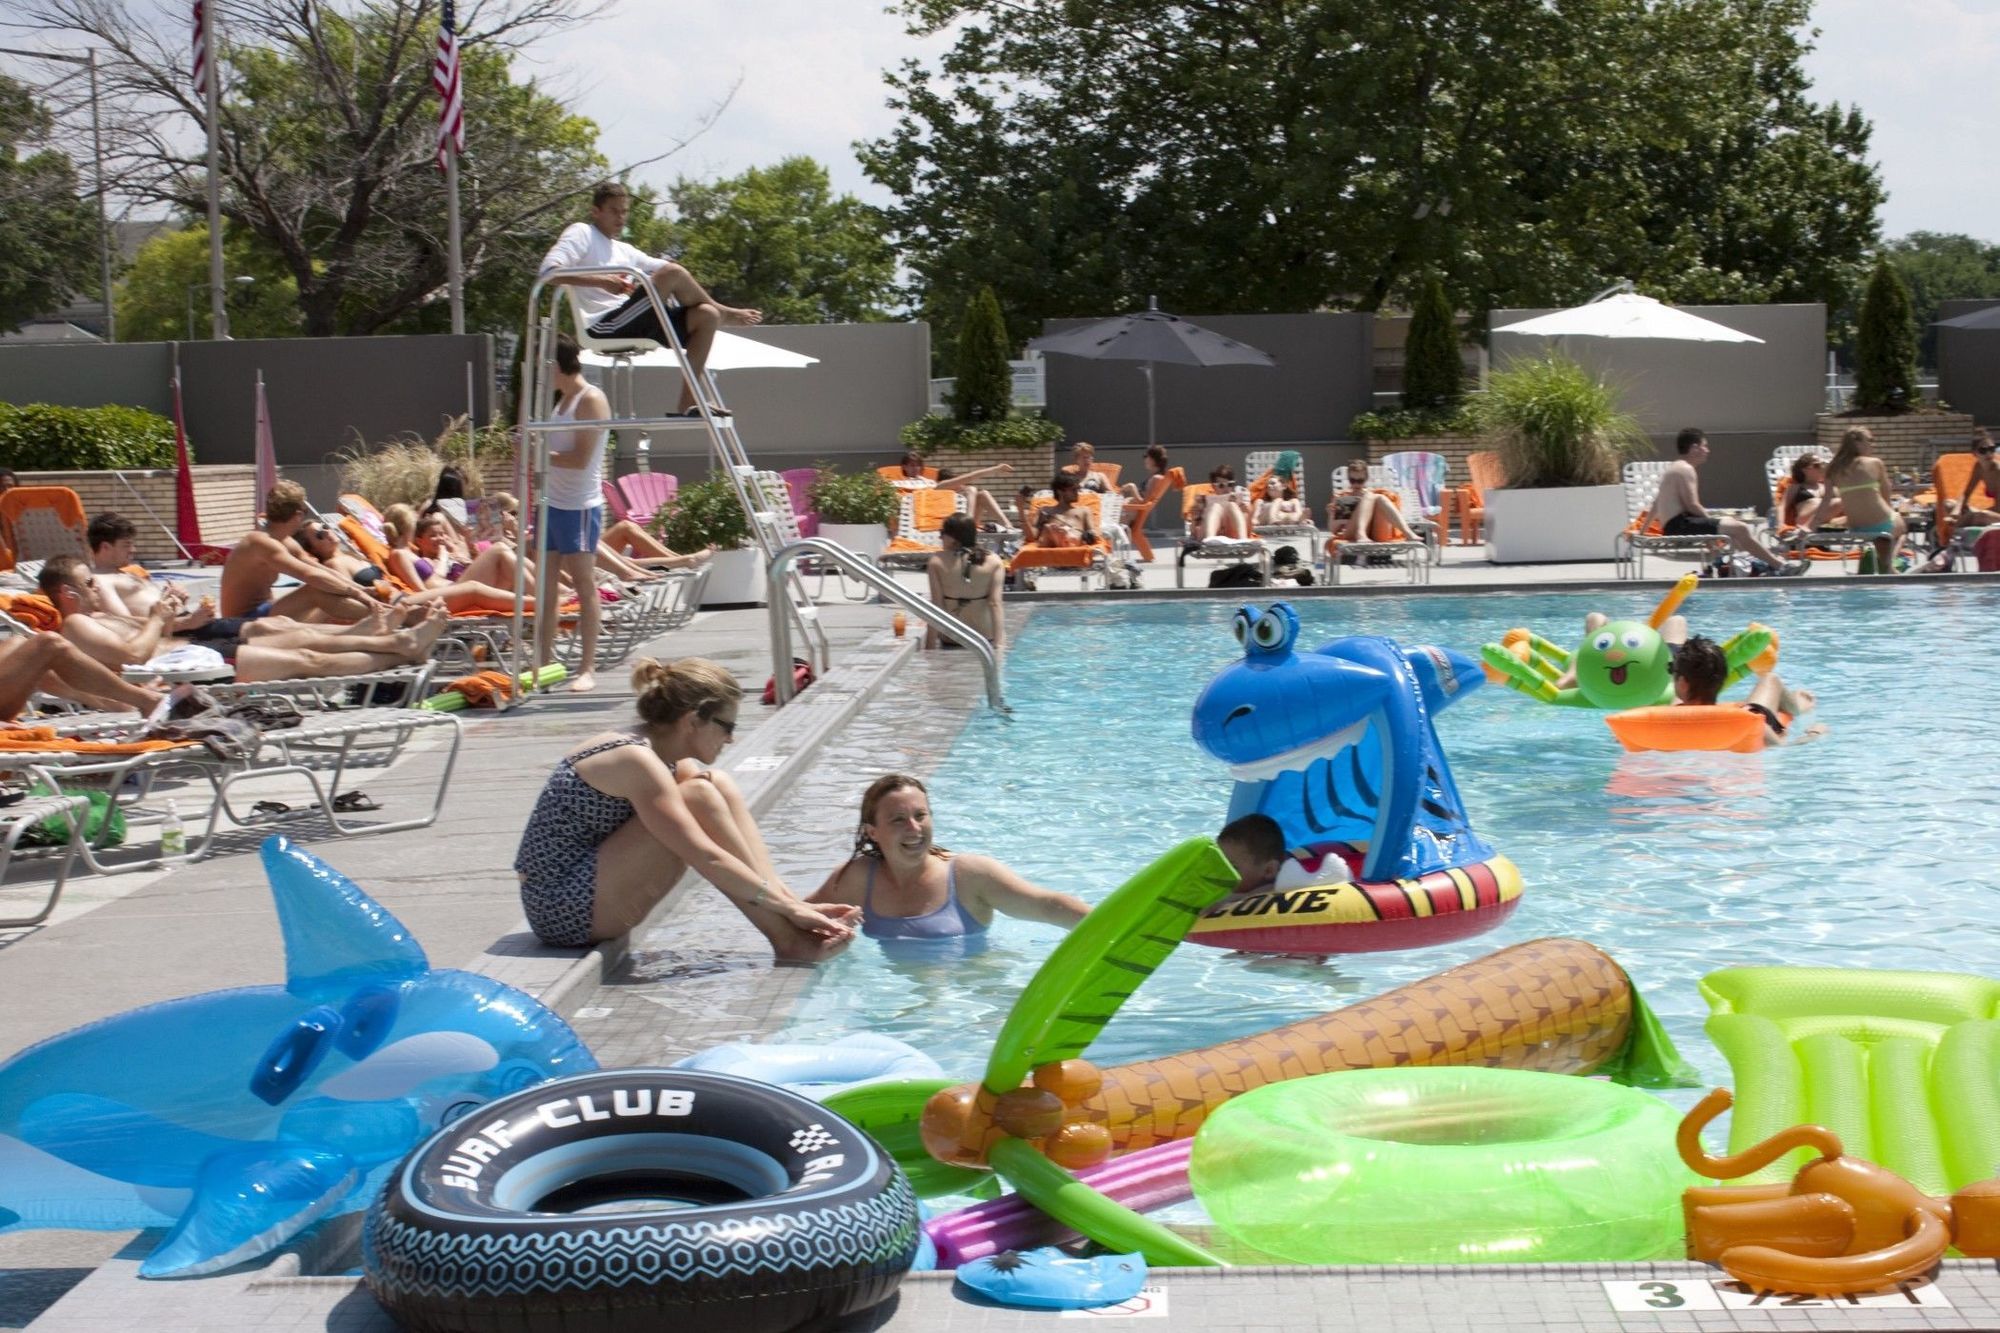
[1555, 424]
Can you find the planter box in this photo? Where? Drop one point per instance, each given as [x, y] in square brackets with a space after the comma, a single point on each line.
[1904, 443]
[735, 578]
[869, 539]
[1541, 526]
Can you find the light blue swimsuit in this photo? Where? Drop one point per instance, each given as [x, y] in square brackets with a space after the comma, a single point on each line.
[949, 924]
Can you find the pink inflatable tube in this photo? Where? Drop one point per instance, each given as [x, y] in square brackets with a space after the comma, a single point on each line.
[1150, 1178]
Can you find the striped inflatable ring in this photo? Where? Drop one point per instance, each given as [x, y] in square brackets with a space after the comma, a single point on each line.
[640, 1198]
[1363, 916]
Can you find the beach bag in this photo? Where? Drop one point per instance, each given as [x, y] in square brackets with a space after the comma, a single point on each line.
[1987, 551]
[1241, 575]
[54, 831]
[802, 676]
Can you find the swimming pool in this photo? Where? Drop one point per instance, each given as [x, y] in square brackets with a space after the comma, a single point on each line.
[1873, 846]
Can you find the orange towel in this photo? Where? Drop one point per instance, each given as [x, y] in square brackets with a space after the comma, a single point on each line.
[31, 609]
[44, 740]
[485, 689]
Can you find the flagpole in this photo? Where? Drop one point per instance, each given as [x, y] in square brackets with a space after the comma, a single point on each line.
[451, 227]
[218, 311]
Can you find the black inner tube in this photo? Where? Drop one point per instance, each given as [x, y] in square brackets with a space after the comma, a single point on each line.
[639, 1190]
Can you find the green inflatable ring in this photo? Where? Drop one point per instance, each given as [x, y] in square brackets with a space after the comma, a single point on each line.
[1442, 1165]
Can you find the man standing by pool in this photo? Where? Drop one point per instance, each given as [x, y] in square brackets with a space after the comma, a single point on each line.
[613, 306]
[1678, 509]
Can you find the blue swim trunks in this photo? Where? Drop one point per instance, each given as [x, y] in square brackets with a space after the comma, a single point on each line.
[575, 531]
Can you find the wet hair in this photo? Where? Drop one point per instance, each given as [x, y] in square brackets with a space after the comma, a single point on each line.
[871, 801]
[1701, 663]
[107, 528]
[569, 357]
[1259, 835]
[59, 572]
[285, 501]
[400, 522]
[607, 190]
[961, 529]
[1157, 456]
[669, 691]
[1689, 438]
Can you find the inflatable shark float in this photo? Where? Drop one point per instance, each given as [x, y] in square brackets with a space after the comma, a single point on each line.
[1337, 745]
[239, 1117]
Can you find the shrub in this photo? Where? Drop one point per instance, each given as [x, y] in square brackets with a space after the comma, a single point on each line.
[1433, 371]
[405, 471]
[852, 497]
[42, 437]
[945, 435]
[1404, 423]
[707, 513]
[984, 389]
[1555, 424]
[1885, 345]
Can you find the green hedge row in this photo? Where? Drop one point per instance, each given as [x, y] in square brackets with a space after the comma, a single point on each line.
[41, 437]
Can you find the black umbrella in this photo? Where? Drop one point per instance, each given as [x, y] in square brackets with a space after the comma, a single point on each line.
[1988, 318]
[1149, 336]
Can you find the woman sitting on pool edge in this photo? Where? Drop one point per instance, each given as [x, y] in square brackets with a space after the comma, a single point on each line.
[908, 888]
[1701, 671]
[624, 814]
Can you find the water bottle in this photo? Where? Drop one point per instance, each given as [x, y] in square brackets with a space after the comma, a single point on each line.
[173, 834]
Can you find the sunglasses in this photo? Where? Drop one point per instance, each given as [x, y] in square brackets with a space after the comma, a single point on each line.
[728, 726]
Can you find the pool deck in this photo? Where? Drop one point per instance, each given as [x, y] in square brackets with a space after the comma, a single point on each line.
[452, 884]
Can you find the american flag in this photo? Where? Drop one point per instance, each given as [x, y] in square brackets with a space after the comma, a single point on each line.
[444, 78]
[200, 50]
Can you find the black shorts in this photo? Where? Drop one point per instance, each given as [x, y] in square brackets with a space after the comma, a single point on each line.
[1687, 525]
[224, 634]
[1771, 719]
[635, 319]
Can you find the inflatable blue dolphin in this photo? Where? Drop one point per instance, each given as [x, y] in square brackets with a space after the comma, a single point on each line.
[239, 1117]
[1337, 743]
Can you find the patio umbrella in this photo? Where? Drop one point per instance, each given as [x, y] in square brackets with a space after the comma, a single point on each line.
[1628, 315]
[1151, 336]
[730, 351]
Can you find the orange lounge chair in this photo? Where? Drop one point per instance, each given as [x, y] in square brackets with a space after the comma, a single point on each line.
[1137, 510]
[920, 521]
[1469, 500]
[1948, 477]
[1078, 560]
[43, 521]
[1413, 553]
[894, 472]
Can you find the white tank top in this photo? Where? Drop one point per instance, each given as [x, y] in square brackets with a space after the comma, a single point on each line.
[575, 487]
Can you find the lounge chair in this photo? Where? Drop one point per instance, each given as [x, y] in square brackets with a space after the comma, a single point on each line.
[1643, 536]
[614, 503]
[16, 820]
[1082, 561]
[919, 525]
[1137, 511]
[647, 493]
[1413, 554]
[798, 483]
[1383, 480]
[1812, 544]
[1483, 474]
[1420, 479]
[1228, 550]
[893, 474]
[45, 521]
[1948, 477]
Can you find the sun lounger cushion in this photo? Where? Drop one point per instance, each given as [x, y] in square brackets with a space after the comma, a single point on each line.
[46, 740]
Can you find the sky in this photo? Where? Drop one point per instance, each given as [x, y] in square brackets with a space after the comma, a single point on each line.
[1926, 72]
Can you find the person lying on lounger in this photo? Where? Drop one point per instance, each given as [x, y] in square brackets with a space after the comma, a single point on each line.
[985, 510]
[626, 813]
[110, 538]
[1351, 515]
[1224, 511]
[908, 888]
[51, 664]
[1064, 523]
[261, 556]
[268, 648]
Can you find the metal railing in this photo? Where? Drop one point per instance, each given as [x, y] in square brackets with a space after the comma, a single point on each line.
[866, 571]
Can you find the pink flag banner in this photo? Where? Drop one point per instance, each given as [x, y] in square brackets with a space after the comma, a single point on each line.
[187, 520]
[267, 449]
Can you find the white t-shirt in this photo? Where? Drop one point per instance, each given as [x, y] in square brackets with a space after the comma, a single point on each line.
[582, 245]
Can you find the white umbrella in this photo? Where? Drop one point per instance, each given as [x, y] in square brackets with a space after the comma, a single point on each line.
[730, 351]
[1628, 315]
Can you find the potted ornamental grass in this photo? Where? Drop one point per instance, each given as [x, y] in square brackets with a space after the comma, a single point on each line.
[1563, 440]
[855, 509]
[709, 513]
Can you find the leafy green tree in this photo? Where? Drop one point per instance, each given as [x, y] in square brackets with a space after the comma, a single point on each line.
[777, 239]
[1885, 354]
[153, 297]
[984, 390]
[48, 233]
[1940, 267]
[1433, 366]
[1241, 155]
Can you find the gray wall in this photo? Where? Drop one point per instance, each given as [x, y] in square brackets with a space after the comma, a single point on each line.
[1322, 380]
[1969, 364]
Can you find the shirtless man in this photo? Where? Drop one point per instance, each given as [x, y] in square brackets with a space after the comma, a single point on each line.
[50, 663]
[1678, 510]
[110, 538]
[273, 648]
[256, 561]
[1065, 523]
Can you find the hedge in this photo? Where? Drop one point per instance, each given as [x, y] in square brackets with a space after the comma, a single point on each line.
[42, 437]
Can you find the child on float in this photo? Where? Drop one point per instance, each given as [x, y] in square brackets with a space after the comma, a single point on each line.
[1701, 670]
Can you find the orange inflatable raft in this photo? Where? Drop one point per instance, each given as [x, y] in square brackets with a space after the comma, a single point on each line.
[1690, 727]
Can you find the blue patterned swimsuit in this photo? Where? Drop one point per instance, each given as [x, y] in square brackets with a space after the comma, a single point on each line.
[557, 860]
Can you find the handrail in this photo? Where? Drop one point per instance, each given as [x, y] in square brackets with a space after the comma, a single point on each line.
[868, 572]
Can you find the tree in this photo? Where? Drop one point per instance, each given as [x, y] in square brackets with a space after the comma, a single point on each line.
[1885, 354]
[776, 239]
[1433, 367]
[48, 233]
[1939, 268]
[328, 128]
[1240, 155]
[171, 269]
[984, 390]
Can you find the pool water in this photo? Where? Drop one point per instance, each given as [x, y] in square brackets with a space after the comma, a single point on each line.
[1874, 846]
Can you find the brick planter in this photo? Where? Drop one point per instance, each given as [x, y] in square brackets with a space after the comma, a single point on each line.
[224, 497]
[1905, 443]
[1032, 467]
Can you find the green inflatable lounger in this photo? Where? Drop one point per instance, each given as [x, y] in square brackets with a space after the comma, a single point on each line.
[1903, 1066]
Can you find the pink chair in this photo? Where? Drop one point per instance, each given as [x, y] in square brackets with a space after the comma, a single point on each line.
[614, 503]
[798, 484]
[646, 492]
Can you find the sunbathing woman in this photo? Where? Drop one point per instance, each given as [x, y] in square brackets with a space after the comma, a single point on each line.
[1862, 483]
[418, 560]
[1985, 472]
[1224, 511]
[1082, 456]
[1807, 503]
[966, 581]
[909, 889]
[1351, 515]
[1157, 467]
[1280, 506]
[625, 814]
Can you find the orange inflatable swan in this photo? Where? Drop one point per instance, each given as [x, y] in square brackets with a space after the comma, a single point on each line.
[1843, 1225]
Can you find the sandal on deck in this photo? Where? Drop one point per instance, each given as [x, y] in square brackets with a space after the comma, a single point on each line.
[354, 802]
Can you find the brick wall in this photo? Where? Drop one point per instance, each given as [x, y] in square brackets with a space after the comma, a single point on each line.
[1906, 443]
[1032, 467]
[224, 497]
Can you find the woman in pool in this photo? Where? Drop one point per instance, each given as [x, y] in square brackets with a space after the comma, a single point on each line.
[966, 581]
[909, 888]
[1861, 482]
[626, 813]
